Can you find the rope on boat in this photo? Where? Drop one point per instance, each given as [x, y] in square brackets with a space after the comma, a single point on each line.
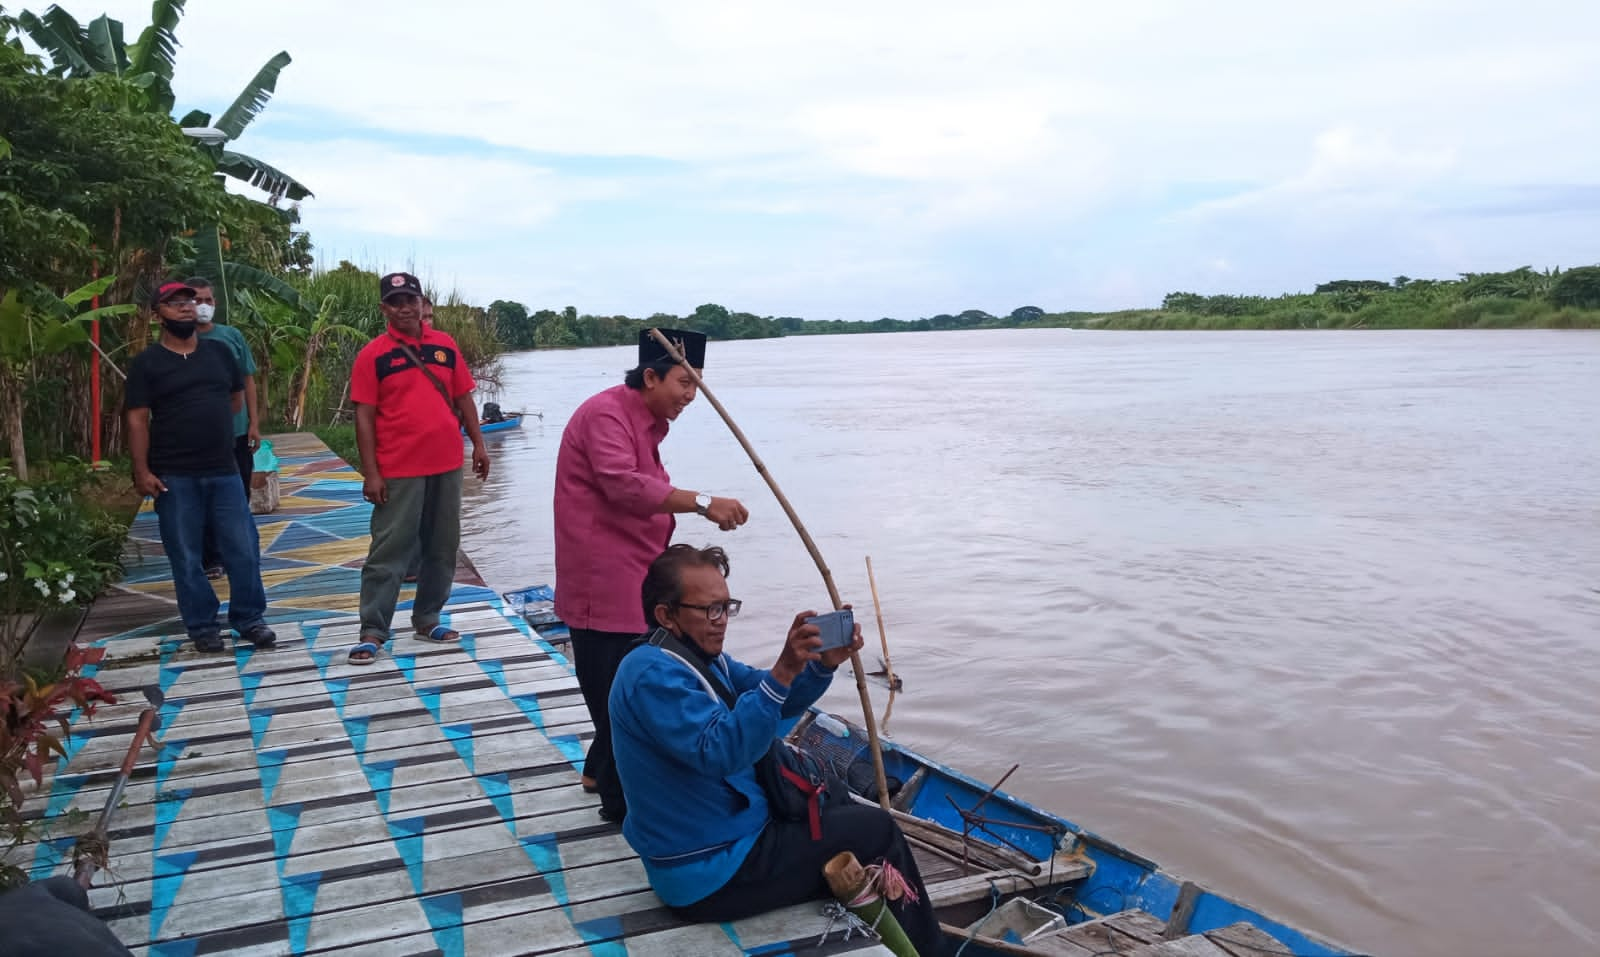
[994, 905]
[837, 913]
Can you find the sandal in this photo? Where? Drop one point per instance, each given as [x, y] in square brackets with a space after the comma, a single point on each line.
[440, 634]
[368, 648]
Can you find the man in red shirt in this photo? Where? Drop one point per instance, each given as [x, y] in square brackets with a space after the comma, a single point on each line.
[614, 508]
[413, 396]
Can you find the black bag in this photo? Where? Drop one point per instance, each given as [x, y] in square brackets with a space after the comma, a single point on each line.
[796, 784]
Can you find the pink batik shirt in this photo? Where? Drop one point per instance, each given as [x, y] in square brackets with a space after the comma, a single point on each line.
[610, 486]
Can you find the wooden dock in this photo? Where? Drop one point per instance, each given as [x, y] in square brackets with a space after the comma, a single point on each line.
[296, 804]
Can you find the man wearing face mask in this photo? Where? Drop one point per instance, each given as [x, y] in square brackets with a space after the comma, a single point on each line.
[181, 396]
[413, 396]
[246, 428]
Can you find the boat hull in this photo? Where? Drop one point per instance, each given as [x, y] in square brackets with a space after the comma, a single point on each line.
[504, 425]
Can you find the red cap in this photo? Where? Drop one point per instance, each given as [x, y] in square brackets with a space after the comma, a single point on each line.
[170, 289]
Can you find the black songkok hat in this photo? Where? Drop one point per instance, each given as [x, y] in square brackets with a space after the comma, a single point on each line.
[691, 344]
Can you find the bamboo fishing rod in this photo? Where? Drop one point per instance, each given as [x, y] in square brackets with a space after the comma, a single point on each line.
[811, 546]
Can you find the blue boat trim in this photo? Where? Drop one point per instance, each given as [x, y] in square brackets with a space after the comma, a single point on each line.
[1121, 879]
[504, 425]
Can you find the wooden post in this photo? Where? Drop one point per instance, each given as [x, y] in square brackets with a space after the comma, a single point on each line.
[811, 546]
[883, 636]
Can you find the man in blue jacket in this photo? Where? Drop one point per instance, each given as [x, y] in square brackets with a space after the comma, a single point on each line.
[697, 815]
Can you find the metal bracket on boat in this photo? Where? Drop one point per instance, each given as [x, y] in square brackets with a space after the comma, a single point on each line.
[971, 821]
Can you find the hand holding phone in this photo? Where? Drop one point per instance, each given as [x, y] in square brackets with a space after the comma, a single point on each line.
[838, 628]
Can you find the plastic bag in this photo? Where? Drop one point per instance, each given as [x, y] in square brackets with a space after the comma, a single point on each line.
[264, 492]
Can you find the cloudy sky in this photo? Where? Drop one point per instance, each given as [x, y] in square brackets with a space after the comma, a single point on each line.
[860, 160]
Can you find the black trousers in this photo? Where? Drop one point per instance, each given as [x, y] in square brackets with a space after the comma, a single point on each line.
[596, 656]
[245, 460]
[785, 867]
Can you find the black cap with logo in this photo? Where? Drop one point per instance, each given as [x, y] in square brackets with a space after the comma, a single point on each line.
[397, 284]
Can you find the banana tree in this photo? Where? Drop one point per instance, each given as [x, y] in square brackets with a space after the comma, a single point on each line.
[30, 331]
[324, 328]
[232, 279]
[77, 50]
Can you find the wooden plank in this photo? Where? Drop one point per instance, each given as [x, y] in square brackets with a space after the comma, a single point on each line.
[1182, 911]
[236, 750]
[972, 887]
[935, 868]
[444, 835]
[1245, 940]
[1121, 931]
[1195, 946]
[979, 852]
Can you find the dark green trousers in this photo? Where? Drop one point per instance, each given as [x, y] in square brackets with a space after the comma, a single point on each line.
[423, 512]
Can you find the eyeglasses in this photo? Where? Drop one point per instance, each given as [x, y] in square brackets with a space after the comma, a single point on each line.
[715, 610]
[402, 300]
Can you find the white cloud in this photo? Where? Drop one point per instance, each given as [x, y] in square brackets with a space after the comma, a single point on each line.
[1349, 170]
[913, 136]
[375, 188]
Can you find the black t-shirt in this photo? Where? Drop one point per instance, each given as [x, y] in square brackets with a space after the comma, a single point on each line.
[190, 398]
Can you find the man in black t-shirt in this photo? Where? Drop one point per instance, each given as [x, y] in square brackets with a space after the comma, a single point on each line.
[181, 395]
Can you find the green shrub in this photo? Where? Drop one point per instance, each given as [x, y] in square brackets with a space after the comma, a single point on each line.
[58, 550]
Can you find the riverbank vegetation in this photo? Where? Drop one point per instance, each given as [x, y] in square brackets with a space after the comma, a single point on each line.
[1518, 298]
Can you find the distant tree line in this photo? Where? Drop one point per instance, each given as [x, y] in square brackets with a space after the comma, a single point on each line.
[517, 328]
[1518, 297]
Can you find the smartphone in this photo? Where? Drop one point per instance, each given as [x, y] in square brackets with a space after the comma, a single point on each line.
[838, 628]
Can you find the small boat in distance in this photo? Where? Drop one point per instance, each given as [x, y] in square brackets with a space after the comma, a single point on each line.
[511, 421]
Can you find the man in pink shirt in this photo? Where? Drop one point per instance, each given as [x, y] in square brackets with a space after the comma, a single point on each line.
[614, 508]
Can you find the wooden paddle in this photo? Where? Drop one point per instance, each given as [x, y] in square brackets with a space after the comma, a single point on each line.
[811, 546]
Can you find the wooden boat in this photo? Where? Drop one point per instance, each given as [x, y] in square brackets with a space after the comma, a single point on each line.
[1035, 883]
[1008, 879]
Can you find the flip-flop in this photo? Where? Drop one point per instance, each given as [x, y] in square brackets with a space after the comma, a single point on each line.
[441, 635]
[370, 647]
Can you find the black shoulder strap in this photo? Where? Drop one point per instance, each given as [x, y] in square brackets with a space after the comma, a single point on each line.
[668, 642]
[440, 387]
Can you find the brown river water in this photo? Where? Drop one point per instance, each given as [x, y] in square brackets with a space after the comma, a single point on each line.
[1311, 618]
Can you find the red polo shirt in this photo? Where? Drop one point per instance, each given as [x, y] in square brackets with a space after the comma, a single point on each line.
[417, 430]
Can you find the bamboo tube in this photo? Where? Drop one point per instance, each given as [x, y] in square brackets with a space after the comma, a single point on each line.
[850, 885]
[883, 636]
[811, 546]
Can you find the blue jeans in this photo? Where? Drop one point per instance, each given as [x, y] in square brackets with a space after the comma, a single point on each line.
[191, 506]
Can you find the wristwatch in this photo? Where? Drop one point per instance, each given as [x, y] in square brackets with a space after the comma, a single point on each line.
[702, 503]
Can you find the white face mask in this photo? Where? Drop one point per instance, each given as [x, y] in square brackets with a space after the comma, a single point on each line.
[204, 311]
